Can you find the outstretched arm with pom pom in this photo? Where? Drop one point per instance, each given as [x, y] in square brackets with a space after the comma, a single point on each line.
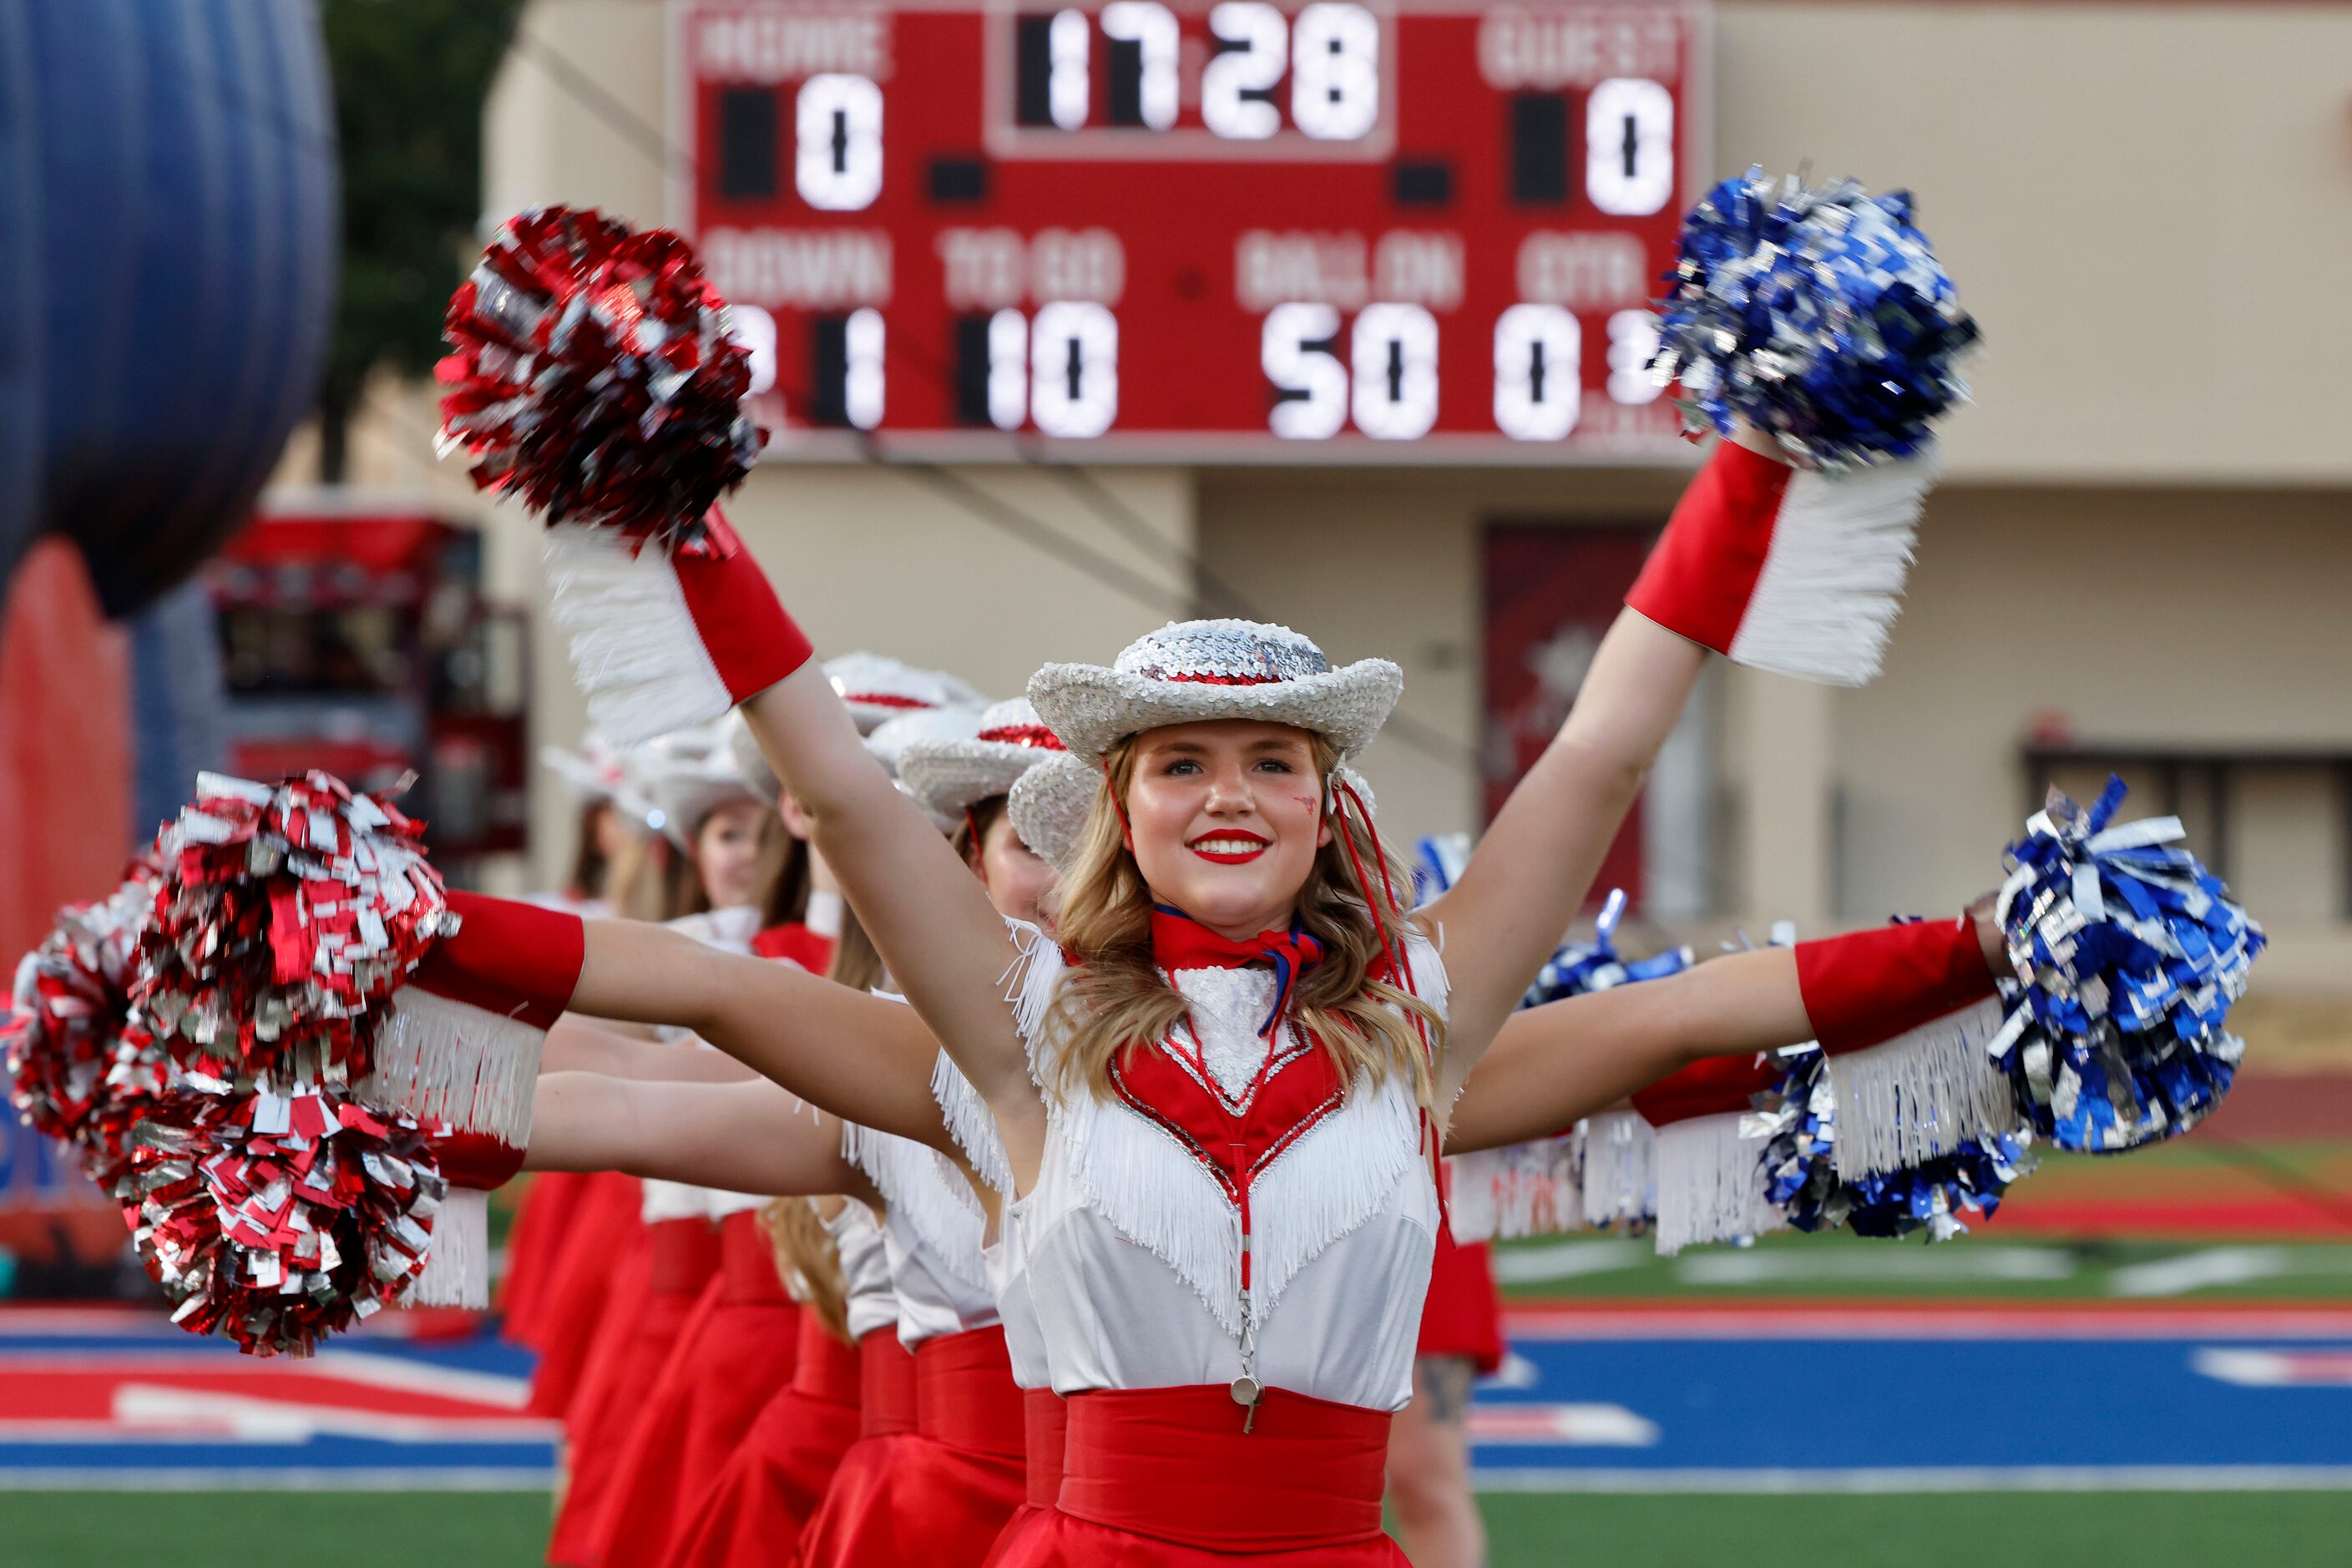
[1554, 1064]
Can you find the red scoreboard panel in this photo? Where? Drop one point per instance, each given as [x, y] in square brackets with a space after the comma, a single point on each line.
[1183, 230]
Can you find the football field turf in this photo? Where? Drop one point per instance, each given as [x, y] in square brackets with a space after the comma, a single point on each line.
[2028, 1530]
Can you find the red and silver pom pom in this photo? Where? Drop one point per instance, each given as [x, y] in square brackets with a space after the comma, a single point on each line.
[286, 914]
[594, 375]
[70, 1001]
[280, 1220]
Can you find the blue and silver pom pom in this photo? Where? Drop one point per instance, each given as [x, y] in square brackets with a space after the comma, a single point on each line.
[1801, 1175]
[1818, 314]
[1580, 967]
[2128, 954]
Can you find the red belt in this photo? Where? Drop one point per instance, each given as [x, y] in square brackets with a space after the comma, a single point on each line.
[747, 1263]
[827, 1370]
[886, 1386]
[1044, 1420]
[965, 1396]
[1175, 1464]
[684, 1256]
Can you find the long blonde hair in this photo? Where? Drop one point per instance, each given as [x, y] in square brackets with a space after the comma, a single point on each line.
[804, 1250]
[1113, 1000]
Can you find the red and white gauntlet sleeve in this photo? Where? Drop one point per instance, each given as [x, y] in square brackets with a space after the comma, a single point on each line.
[460, 1047]
[1784, 570]
[664, 640]
[1904, 1013]
[1708, 1185]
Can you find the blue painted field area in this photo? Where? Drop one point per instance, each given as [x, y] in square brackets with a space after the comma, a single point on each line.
[1923, 1399]
[1944, 1410]
[125, 1400]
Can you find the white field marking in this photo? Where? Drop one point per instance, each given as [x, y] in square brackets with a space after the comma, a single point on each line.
[2199, 1270]
[250, 1420]
[278, 1478]
[1905, 1265]
[490, 1388]
[1797, 1320]
[1567, 1260]
[2273, 1369]
[1966, 1479]
[1516, 1372]
[1563, 1425]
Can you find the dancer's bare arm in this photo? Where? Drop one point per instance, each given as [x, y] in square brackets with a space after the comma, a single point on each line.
[945, 944]
[581, 1044]
[858, 1056]
[1551, 1066]
[748, 1137]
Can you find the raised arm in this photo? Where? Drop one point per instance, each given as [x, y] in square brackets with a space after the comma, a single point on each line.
[1551, 1066]
[946, 945]
[1529, 876]
[750, 1137]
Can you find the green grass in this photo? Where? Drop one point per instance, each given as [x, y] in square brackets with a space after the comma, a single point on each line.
[2017, 1530]
[241, 1529]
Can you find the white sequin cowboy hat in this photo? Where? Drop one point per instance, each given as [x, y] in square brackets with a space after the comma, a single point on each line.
[891, 742]
[877, 689]
[950, 776]
[688, 774]
[1190, 671]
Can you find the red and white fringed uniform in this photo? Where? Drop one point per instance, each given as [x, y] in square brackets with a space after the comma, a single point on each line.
[942, 1494]
[1131, 1251]
[753, 1512]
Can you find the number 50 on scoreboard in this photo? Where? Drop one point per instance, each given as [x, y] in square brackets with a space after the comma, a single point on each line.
[1198, 230]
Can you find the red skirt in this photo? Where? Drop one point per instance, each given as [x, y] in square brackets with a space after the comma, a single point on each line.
[1463, 1315]
[944, 1492]
[738, 1352]
[629, 1356]
[1165, 1478]
[753, 1515]
[1046, 1421]
[603, 1248]
[544, 1216]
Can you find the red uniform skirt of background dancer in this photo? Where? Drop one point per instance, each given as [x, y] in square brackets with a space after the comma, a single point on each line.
[544, 1218]
[736, 1354]
[885, 1432]
[602, 1249]
[752, 1512]
[681, 1256]
[942, 1494]
[1046, 1424]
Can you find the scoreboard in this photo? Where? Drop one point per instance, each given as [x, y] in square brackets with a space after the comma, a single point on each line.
[1196, 230]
